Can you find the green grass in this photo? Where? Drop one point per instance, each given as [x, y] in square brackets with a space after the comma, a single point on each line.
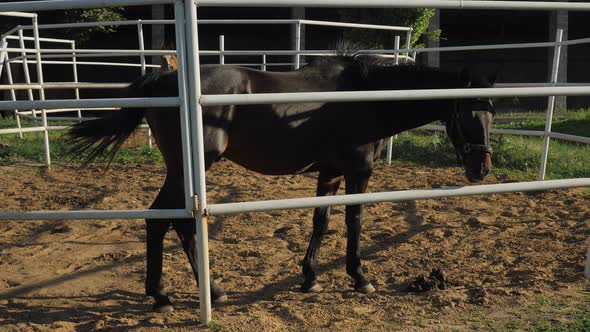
[30, 148]
[574, 316]
[543, 314]
[573, 123]
[540, 114]
[215, 326]
[514, 155]
[579, 324]
[517, 156]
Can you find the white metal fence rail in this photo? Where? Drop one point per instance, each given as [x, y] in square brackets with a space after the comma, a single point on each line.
[74, 53]
[191, 114]
[64, 53]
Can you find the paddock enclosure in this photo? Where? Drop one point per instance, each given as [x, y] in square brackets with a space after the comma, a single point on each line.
[504, 254]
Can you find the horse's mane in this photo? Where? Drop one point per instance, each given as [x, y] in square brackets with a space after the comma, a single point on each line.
[351, 53]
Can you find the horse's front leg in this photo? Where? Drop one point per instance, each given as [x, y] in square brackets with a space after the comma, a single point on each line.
[156, 230]
[356, 183]
[154, 286]
[187, 233]
[328, 184]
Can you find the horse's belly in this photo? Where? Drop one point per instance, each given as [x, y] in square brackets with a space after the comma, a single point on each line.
[285, 139]
[270, 162]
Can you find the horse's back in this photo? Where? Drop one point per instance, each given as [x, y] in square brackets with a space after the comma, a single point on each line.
[217, 79]
[271, 138]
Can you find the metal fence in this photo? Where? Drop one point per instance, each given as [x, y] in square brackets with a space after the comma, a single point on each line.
[191, 101]
[73, 53]
[396, 55]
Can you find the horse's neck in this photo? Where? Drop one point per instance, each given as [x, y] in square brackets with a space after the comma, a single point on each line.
[396, 117]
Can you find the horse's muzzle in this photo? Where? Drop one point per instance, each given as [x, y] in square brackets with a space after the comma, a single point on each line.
[478, 173]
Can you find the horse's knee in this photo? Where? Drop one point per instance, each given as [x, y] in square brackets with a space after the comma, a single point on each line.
[186, 230]
[156, 228]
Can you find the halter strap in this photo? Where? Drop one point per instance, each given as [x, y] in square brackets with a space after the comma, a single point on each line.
[464, 147]
[468, 147]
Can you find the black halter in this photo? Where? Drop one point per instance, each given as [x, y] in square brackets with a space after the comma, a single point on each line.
[462, 146]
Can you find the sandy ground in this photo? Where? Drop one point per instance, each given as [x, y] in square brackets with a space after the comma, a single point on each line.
[503, 254]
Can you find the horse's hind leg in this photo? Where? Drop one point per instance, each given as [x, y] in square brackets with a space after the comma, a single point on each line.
[186, 230]
[328, 184]
[356, 182]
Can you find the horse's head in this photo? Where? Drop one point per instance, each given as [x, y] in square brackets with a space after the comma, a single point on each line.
[468, 127]
[168, 61]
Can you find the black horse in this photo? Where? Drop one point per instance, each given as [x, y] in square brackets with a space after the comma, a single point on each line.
[338, 140]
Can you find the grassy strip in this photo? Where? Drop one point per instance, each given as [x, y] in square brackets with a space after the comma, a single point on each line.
[30, 148]
[514, 155]
[564, 315]
[518, 156]
[15, 150]
[573, 123]
[557, 114]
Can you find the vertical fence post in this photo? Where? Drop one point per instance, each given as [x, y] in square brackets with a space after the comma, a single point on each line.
[396, 62]
[3, 54]
[21, 41]
[141, 46]
[41, 91]
[408, 45]
[297, 44]
[550, 105]
[196, 112]
[75, 71]
[396, 45]
[12, 92]
[263, 67]
[143, 69]
[187, 160]
[221, 49]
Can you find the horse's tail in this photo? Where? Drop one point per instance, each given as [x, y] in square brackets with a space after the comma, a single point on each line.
[101, 138]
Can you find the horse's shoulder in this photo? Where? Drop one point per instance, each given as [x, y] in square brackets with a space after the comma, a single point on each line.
[220, 70]
[223, 79]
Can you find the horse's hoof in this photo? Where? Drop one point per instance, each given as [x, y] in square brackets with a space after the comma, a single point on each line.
[366, 288]
[315, 287]
[163, 308]
[222, 299]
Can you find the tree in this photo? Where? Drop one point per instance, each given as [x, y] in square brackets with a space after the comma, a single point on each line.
[418, 19]
[83, 15]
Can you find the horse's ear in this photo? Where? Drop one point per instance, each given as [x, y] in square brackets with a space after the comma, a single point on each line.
[465, 77]
[492, 78]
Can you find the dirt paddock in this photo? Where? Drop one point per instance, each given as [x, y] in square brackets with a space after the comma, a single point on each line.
[510, 259]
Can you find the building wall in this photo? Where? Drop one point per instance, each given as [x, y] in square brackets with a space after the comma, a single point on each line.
[519, 65]
[579, 56]
[458, 28]
[461, 28]
[237, 37]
